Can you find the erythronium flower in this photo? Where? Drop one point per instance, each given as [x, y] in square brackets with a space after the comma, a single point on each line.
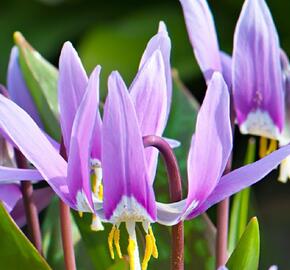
[125, 168]
[150, 91]
[255, 75]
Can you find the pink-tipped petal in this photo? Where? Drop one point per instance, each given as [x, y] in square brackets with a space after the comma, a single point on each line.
[212, 145]
[126, 183]
[81, 140]
[161, 41]
[72, 84]
[202, 34]
[257, 78]
[148, 93]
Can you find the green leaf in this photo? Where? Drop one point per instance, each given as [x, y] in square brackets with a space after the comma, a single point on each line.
[16, 250]
[41, 80]
[246, 254]
[239, 210]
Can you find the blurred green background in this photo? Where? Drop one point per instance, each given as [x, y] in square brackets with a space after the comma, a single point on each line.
[114, 35]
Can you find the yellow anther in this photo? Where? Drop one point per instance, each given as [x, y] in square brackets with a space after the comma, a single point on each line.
[110, 242]
[148, 251]
[81, 214]
[263, 147]
[117, 242]
[131, 249]
[154, 250]
[94, 183]
[272, 147]
[100, 192]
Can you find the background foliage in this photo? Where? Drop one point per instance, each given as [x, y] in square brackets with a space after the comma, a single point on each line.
[114, 34]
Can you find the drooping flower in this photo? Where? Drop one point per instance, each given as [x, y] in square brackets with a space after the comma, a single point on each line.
[259, 88]
[257, 75]
[132, 199]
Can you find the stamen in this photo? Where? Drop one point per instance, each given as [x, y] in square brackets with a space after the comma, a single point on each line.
[272, 146]
[100, 192]
[263, 147]
[155, 250]
[117, 242]
[148, 251]
[96, 224]
[131, 249]
[81, 214]
[110, 242]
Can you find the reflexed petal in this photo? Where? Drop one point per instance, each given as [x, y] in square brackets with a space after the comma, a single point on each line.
[243, 177]
[126, 182]
[170, 214]
[173, 143]
[72, 84]
[148, 93]
[41, 197]
[212, 145]
[257, 83]
[202, 34]
[11, 175]
[33, 144]
[9, 195]
[161, 41]
[17, 89]
[80, 149]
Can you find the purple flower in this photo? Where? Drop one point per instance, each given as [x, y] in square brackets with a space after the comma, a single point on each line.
[254, 74]
[257, 76]
[124, 165]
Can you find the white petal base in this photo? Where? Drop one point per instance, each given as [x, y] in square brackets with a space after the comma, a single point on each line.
[261, 124]
[83, 204]
[128, 209]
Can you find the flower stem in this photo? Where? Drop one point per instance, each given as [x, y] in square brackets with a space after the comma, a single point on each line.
[175, 189]
[29, 205]
[66, 230]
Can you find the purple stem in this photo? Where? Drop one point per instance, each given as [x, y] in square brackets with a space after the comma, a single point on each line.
[175, 189]
[30, 208]
[66, 230]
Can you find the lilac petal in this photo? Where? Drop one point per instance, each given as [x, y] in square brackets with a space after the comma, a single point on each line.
[257, 84]
[72, 84]
[161, 41]
[11, 175]
[243, 177]
[97, 134]
[33, 144]
[17, 88]
[173, 143]
[41, 197]
[80, 148]
[226, 61]
[212, 145]
[126, 183]
[9, 195]
[170, 214]
[202, 34]
[148, 93]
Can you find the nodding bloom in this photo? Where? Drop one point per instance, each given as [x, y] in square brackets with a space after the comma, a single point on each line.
[81, 123]
[254, 73]
[132, 199]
